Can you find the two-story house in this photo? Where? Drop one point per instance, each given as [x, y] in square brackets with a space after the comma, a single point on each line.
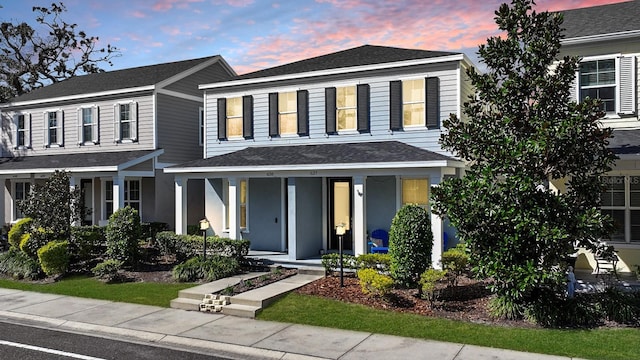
[607, 38]
[113, 132]
[347, 138]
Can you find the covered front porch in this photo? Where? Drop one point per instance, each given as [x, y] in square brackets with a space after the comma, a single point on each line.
[290, 199]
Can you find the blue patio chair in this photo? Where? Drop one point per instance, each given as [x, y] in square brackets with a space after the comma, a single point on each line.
[379, 241]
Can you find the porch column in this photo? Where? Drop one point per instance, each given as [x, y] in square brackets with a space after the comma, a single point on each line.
[437, 228]
[291, 225]
[118, 192]
[181, 204]
[234, 209]
[359, 227]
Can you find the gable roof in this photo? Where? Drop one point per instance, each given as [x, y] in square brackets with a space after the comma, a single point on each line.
[114, 80]
[358, 56]
[345, 155]
[604, 19]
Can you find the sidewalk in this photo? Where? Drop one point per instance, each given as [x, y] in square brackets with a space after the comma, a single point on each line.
[227, 335]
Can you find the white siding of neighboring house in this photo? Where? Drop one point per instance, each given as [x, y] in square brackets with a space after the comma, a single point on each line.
[379, 112]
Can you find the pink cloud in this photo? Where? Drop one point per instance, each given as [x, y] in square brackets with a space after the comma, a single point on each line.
[165, 5]
[138, 14]
[239, 3]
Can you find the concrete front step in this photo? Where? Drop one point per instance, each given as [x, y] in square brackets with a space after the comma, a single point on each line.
[246, 311]
[198, 292]
[186, 304]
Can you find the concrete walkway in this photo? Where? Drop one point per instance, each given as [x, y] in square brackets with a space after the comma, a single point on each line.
[226, 335]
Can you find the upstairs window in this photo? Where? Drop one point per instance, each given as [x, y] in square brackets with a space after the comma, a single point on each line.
[234, 117]
[288, 113]
[610, 79]
[88, 126]
[346, 107]
[53, 129]
[126, 122]
[413, 95]
[23, 131]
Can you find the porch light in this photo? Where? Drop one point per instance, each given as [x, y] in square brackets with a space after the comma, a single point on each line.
[204, 226]
[340, 230]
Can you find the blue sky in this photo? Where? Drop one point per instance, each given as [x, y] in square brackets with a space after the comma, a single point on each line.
[255, 34]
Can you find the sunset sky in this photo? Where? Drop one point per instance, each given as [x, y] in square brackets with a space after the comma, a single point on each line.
[255, 34]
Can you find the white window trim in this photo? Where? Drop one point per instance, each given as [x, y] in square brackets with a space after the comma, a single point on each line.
[201, 127]
[627, 208]
[133, 113]
[60, 128]
[424, 102]
[280, 113]
[353, 130]
[95, 125]
[126, 183]
[27, 130]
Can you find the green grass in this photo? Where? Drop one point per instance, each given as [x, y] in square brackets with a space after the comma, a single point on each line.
[146, 293]
[605, 344]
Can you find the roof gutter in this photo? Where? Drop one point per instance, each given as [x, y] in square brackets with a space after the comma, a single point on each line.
[601, 37]
[347, 70]
[79, 96]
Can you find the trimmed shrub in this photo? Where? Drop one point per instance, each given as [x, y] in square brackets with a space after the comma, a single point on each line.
[86, 243]
[214, 268]
[379, 262]
[30, 243]
[621, 306]
[373, 282]
[17, 231]
[16, 264]
[123, 234]
[410, 244]
[553, 310]
[455, 261]
[429, 280]
[107, 270]
[54, 257]
[331, 262]
[188, 246]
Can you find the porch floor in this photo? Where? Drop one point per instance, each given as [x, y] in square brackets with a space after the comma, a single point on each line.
[282, 258]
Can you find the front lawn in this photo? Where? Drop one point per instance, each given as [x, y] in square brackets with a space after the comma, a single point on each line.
[605, 344]
[146, 293]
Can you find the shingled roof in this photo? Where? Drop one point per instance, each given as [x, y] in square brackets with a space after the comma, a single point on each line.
[362, 55]
[604, 19]
[320, 154]
[112, 80]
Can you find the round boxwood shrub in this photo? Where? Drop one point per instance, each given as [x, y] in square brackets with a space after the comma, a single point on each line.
[54, 257]
[17, 231]
[31, 242]
[123, 234]
[410, 244]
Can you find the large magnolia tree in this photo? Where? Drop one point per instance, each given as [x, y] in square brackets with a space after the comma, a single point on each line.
[49, 51]
[524, 131]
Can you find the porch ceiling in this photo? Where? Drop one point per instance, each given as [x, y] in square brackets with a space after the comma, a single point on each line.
[97, 161]
[383, 154]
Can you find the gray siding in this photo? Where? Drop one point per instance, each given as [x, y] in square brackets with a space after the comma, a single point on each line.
[178, 126]
[189, 85]
[381, 202]
[106, 118]
[379, 111]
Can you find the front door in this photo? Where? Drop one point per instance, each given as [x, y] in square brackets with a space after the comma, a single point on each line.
[340, 206]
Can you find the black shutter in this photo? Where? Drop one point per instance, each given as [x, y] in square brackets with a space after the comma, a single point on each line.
[363, 108]
[432, 101]
[274, 126]
[222, 119]
[247, 117]
[330, 109]
[303, 112]
[395, 105]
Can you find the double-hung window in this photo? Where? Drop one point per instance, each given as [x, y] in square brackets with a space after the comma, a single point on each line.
[610, 79]
[234, 117]
[413, 96]
[415, 191]
[126, 122]
[88, 125]
[132, 196]
[53, 128]
[414, 103]
[23, 131]
[288, 113]
[21, 191]
[621, 201]
[346, 106]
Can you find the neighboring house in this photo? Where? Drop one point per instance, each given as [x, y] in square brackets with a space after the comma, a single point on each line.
[293, 151]
[607, 38]
[114, 132]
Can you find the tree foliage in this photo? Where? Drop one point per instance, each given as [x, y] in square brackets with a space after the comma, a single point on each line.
[524, 131]
[51, 50]
[54, 206]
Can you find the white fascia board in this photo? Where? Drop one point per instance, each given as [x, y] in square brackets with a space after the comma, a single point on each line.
[51, 170]
[350, 166]
[80, 96]
[345, 70]
[601, 37]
